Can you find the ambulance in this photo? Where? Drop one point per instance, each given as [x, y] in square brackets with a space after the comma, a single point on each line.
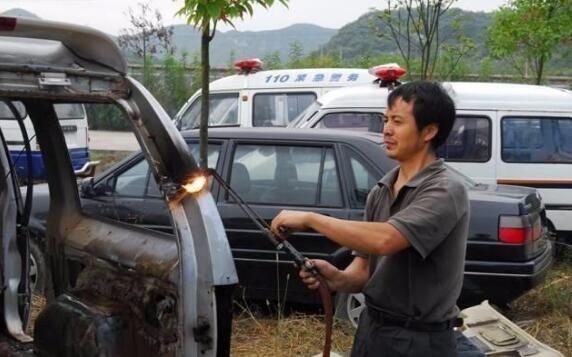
[512, 134]
[273, 98]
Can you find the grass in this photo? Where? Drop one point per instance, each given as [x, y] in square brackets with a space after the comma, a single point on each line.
[546, 311]
[293, 335]
[107, 158]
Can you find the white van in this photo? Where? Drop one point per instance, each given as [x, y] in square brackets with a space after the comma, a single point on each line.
[266, 98]
[504, 133]
[73, 121]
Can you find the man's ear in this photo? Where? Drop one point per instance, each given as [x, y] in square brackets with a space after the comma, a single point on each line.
[429, 132]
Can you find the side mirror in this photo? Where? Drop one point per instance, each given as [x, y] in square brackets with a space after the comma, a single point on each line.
[86, 188]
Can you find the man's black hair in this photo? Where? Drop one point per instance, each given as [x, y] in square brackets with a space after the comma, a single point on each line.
[431, 104]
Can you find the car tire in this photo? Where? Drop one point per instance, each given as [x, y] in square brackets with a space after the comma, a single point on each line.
[37, 269]
[349, 307]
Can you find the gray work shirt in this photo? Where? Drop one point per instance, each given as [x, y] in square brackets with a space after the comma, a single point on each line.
[431, 211]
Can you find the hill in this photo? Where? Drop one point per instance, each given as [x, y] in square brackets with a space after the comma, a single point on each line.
[359, 38]
[252, 43]
[17, 12]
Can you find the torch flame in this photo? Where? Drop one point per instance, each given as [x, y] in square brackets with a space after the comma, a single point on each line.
[195, 184]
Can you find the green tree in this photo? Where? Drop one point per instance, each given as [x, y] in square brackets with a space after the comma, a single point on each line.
[295, 54]
[415, 27]
[176, 88]
[485, 69]
[527, 32]
[272, 60]
[205, 15]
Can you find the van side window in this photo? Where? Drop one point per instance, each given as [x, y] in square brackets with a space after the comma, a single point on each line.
[354, 121]
[286, 175]
[223, 111]
[279, 109]
[469, 140]
[538, 140]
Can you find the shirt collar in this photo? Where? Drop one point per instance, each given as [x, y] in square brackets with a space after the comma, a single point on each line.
[389, 179]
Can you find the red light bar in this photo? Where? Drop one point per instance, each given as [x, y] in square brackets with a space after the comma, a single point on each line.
[248, 65]
[388, 72]
[7, 23]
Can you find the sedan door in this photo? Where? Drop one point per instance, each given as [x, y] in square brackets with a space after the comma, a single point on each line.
[272, 176]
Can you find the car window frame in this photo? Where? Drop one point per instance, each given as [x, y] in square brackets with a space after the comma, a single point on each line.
[231, 149]
[490, 138]
[531, 117]
[351, 183]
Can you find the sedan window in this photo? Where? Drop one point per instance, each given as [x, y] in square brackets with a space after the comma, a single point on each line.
[364, 178]
[137, 181]
[286, 175]
[132, 182]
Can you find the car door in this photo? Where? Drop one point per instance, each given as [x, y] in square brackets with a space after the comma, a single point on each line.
[130, 193]
[271, 176]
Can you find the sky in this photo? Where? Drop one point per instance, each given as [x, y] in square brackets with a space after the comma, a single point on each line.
[110, 15]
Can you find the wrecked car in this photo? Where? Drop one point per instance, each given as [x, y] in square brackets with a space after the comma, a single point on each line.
[118, 289]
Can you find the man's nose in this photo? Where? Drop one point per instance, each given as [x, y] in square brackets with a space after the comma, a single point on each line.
[387, 129]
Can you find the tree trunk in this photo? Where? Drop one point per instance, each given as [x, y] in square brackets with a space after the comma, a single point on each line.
[540, 69]
[204, 124]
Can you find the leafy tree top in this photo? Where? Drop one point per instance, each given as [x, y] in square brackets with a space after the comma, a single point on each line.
[203, 13]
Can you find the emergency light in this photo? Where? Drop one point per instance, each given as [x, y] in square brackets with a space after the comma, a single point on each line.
[7, 23]
[389, 72]
[248, 65]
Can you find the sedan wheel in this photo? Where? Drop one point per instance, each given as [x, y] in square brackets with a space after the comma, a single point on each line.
[350, 306]
[37, 269]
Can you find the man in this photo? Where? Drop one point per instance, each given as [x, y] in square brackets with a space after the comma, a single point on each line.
[410, 252]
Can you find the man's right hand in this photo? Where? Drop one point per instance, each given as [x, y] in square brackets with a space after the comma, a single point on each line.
[330, 274]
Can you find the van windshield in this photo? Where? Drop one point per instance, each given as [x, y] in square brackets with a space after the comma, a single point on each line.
[223, 111]
[306, 115]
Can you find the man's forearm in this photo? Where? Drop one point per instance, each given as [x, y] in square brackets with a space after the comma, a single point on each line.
[366, 237]
[355, 276]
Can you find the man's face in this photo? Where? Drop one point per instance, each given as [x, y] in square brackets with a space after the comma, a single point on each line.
[400, 134]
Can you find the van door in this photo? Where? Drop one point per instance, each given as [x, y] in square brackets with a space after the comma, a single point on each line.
[471, 145]
[536, 151]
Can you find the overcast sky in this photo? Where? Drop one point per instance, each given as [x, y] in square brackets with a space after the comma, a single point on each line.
[109, 15]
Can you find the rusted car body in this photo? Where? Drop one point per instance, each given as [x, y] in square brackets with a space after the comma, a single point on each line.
[119, 290]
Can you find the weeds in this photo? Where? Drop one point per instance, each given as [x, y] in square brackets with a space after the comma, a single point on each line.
[546, 312]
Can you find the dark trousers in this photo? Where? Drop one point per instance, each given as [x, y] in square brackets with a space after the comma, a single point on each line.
[373, 339]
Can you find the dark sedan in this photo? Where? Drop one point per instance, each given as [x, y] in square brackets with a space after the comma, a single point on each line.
[330, 172]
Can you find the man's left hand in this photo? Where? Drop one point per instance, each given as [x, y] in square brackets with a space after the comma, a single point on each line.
[291, 221]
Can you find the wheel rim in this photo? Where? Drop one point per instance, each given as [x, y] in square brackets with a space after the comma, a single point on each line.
[33, 272]
[354, 306]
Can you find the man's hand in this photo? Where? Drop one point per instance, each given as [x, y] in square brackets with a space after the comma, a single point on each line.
[292, 221]
[330, 274]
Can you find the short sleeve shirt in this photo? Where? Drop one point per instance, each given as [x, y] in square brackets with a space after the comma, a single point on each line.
[431, 211]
